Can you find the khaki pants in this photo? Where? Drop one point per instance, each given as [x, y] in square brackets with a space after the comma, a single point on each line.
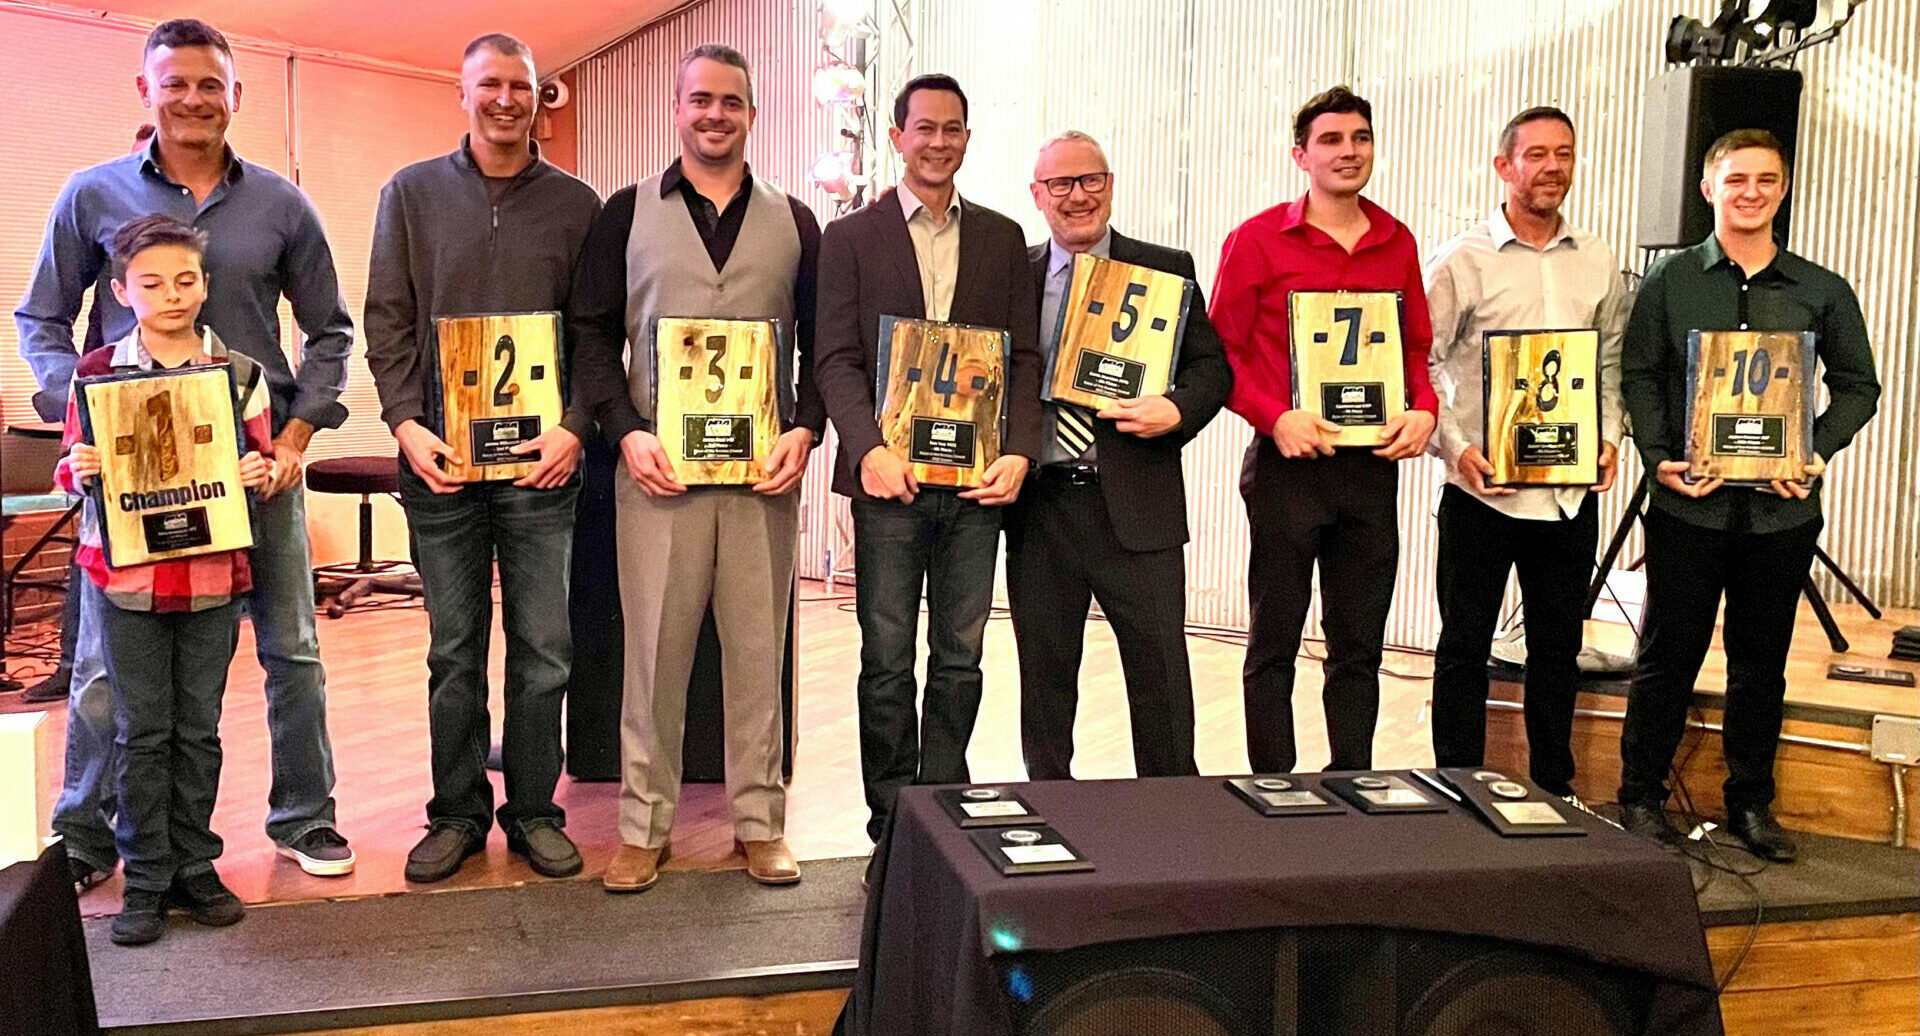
[733, 548]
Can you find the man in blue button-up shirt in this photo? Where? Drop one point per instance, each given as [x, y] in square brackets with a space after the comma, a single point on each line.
[265, 241]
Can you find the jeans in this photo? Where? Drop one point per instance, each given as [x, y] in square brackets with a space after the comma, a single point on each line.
[287, 644]
[947, 545]
[457, 537]
[168, 672]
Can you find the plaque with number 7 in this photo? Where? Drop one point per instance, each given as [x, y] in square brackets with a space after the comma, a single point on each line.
[1348, 366]
[1120, 330]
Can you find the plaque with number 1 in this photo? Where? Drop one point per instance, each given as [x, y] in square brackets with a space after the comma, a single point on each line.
[719, 390]
[1749, 405]
[1348, 366]
[1120, 331]
[941, 398]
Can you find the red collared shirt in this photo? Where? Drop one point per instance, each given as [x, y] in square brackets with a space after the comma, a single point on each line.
[1277, 252]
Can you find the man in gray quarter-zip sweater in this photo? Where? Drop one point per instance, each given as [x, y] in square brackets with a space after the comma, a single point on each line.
[490, 228]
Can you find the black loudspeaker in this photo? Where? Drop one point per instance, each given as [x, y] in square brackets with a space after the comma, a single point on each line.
[1340, 981]
[599, 650]
[1687, 109]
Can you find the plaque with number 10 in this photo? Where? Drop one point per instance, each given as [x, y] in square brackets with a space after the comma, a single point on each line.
[1348, 366]
[1749, 408]
[1120, 331]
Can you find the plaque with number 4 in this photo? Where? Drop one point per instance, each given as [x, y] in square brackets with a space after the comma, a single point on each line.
[1750, 405]
[720, 388]
[499, 388]
[1348, 364]
[940, 397]
[1541, 391]
[1119, 333]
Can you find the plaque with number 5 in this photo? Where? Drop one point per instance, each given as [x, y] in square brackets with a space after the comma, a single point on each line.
[1749, 405]
[1348, 364]
[499, 387]
[1120, 331]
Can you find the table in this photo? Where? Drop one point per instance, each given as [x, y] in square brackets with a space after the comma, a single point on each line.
[1184, 855]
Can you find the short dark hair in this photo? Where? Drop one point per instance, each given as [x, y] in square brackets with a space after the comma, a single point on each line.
[1742, 139]
[186, 32]
[714, 52]
[499, 43]
[1329, 102]
[1512, 129]
[931, 81]
[138, 235]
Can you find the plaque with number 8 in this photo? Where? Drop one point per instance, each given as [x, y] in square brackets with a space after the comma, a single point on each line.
[1542, 395]
[499, 387]
[720, 388]
[1749, 408]
[1348, 364]
[1120, 330]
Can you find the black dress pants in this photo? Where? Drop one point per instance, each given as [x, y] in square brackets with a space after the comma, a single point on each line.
[1688, 568]
[1062, 554]
[1338, 512]
[1478, 547]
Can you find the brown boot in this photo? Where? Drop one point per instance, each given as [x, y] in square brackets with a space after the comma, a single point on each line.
[635, 868]
[771, 862]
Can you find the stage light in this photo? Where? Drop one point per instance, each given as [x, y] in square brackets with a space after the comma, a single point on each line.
[833, 173]
[1759, 25]
[839, 84]
[845, 19]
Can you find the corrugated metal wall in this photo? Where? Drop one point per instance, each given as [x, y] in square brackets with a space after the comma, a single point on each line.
[1194, 98]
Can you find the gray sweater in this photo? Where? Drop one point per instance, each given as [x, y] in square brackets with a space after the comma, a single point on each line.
[442, 247]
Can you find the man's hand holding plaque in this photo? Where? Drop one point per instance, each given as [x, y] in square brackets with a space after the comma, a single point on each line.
[941, 405]
[1349, 369]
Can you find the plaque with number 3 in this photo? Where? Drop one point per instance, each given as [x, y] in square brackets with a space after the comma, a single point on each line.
[1749, 405]
[1120, 331]
[1348, 365]
[720, 388]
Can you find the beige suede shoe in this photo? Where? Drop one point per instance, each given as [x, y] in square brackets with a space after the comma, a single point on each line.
[635, 868]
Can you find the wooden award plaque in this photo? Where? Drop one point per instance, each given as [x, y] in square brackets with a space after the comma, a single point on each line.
[499, 387]
[1120, 332]
[1750, 405]
[716, 397]
[1542, 396]
[941, 397]
[1347, 361]
[169, 442]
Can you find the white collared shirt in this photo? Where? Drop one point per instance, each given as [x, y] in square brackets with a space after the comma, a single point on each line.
[936, 250]
[1488, 280]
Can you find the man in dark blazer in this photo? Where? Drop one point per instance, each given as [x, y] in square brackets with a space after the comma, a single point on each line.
[922, 252]
[1105, 517]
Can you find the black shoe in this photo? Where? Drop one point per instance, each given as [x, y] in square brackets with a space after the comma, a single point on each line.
[85, 875]
[441, 853]
[53, 688]
[141, 920]
[1763, 835]
[1651, 823]
[547, 848]
[207, 899]
[321, 852]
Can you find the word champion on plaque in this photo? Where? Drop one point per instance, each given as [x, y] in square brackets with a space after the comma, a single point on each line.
[499, 387]
[1542, 396]
[941, 397]
[1348, 366]
[169, 446]
[716, 397]
[1749, 408]
[1120, 333]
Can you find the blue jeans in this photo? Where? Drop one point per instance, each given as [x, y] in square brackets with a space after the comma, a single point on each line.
[948, 545]
[288, 646]
[168, 672]
[456, 539]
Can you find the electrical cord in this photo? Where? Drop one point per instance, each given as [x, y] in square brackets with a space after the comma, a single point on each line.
[1710, 854]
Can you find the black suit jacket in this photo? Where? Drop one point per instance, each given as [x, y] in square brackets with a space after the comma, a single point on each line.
[1141, 479]
[868, 270]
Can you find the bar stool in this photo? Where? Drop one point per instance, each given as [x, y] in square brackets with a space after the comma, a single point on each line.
[349, 583]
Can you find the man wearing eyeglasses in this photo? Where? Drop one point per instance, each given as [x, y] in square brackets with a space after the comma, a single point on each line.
[1105, 518]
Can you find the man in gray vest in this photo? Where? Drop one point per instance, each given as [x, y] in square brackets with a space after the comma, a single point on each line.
[703, 239]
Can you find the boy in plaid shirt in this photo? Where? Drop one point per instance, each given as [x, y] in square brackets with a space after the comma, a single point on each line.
[169, 626]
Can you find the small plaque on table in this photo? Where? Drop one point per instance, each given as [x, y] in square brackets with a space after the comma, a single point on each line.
[719, 390]
[987, 807]
[941, 398]
[1383, 793]
[1542, 396]
[1347, 360]
[1514, 808]
[169, 443]
[1120, 331]
[1029, 850]
[1283, 795]
[499, 387]
[1750, 402]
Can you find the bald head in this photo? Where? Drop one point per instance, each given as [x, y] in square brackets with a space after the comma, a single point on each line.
[1073, 188]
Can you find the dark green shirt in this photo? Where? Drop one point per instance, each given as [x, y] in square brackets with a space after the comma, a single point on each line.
[1700, 289]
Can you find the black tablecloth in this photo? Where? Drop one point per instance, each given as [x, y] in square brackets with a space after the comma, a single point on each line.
[1184, 855]
[45, 987]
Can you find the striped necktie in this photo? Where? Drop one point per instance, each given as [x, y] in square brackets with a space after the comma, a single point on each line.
[1073, 430]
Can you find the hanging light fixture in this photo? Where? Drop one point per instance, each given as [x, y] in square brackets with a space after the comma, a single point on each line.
[839, 84]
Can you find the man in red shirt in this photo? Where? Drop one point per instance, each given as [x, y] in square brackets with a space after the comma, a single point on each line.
[1307, 501]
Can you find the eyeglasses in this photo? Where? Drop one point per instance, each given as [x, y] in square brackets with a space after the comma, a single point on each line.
[1092, 183]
